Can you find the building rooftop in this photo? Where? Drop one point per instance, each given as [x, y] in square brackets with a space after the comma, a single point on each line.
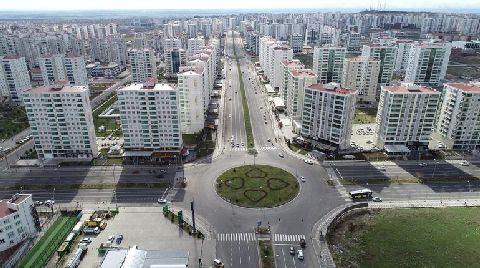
[332, 88]
[141, 86]
[4, 209]
[304, 73]
[10, 57]
[292, 63]
[332, 46]
[72, 55]
[409, 88]
[472, 87]
[60, 86]
[361, 59]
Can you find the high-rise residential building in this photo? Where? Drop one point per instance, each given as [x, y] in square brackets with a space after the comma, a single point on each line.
[59, 67]
[191, 93]
[427, 63]
[361, 73]
[353, 41]
[387, 56]
[14, 78]
[296, 42]
[18, 221]
[142, 64]
[458, 117]
[195, 45]
[277, 55]
[149, 114]
[328, 112]
[61, 121]
[405, 117]
[171, 43]
[174, 59]
[403, 52]
[287, 66]
[328, 63]
[298, 80]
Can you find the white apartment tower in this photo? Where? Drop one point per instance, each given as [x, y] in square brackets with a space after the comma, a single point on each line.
[14, 79]
[149, 115]
[142, 64]
[61, 121]
[298, 80]
[287, 66]
[387, 56]
[406, 115]
[194, 45]
[361, 73]
[328, 111]
[171, 43]
[328, 63]
[278, 54]
[191, 93]
[458, 117]
[427, 63]
[59, 67]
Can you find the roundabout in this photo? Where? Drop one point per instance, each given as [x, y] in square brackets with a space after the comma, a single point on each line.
[257, 186]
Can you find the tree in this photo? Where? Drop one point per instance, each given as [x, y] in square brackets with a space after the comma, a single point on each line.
[253, 152]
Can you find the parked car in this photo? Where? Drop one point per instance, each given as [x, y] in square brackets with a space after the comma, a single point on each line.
[162, 201]
[464, 163]
[119, 239]
[111, 239]
[302, 243]
[376, 199]
[86, 240]
[218, 263]
[308, 161]
[281, 155]
[423, 164]
[302, 179]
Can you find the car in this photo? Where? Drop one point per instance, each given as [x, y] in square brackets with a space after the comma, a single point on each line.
[162, 200]
[229, 115]
[86, 240]
[382, 167]
[229, 99]
[218, 263]
[111, 238]
[423, 164]
[292, 250]
[464, 163]
[38, 203]
[303, 244]
[49, 203]
[119, 239]
[233, 145]
[376, 199]
[238, 145]
[300, 254]
[281, 155]
[308, 161]
[269, 140]
[266, 122]
[303, 179]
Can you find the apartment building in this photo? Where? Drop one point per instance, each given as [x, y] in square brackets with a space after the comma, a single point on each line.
[361, 73]
[296, 42]
[298, 80]
[458, 117]
[59, 67]
[150, 120]
[174, 59]
[287, 66]
[405, 117]
[403, 52]
[194, 45]
[142, 64]
[427, 63]
[327, 114]
[191, 97]
[277, 54]
[171, 44]
[14, 78]
[18, 220]
[354, 41]
[387, 56]
[61, 121]
[328, 63]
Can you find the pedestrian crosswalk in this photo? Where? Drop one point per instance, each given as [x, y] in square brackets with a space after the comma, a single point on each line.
[287, 237]
[266, 148]
[236, 237]
[238, 149]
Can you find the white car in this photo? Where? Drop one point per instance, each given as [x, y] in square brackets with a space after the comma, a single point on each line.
[162, 201]
[300, 254]
[464, 163]
[376, 199]
[86, 240]
[423, 164]
[303, 179]
[308, 161]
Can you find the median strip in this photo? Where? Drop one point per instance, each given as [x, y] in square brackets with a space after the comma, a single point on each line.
[97, 186]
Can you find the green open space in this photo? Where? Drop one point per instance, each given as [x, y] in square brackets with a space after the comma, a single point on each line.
[266, 253]
[97, 88]
[421, 237]
[257, 186]
[464, 71]
[110, 124]
[246, 112]
[39, 254]
[12, 121]
[415, 179]
[306, 59]
[365, 115]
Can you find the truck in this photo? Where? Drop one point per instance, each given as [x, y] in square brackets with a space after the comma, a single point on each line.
[91, 231]
[103, 225]
[89, 223]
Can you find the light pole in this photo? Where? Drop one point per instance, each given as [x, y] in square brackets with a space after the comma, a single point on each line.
[434, 167]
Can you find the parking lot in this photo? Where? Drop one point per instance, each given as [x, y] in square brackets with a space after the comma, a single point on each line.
[148, 229]
[363, 137]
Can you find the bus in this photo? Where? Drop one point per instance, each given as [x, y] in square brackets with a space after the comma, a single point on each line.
[361, 194]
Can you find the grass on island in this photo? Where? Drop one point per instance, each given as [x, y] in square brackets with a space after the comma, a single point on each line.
[110, 124]
[39, 255]
[246, 112]
[257, 186]
[266, 253]
[365, 115]
[12, 121]
[422, 237]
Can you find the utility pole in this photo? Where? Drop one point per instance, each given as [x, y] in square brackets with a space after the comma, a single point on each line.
[193, 217]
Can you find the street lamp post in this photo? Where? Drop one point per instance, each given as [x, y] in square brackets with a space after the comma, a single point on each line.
[434, 167]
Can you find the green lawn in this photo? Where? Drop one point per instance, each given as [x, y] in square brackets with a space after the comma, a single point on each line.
[246, 112]
[465, 71]
[306, 59]
[110, 124]
[257, 186]
[266, 254]
[12, 121]
[97, 88]
[425, 237]
[39, 255]
[365, 115]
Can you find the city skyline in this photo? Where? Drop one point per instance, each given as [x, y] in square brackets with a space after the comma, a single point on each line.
[55, 5]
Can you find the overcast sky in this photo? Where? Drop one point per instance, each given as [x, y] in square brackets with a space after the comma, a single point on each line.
[229, 4]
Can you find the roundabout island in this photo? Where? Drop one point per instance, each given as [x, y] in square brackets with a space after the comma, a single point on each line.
[257, 186]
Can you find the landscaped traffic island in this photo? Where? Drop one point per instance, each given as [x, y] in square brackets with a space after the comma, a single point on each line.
[257, 186]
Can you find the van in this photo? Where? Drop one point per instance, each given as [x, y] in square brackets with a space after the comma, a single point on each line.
[300, 254]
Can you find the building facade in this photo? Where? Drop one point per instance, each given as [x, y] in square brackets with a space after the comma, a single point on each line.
[328, 63]
[298, 80]
[142, 64]
[427, 64]
[361, 73]
[60, 67]
[387, 55]
[191, 92]
[14, 78]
